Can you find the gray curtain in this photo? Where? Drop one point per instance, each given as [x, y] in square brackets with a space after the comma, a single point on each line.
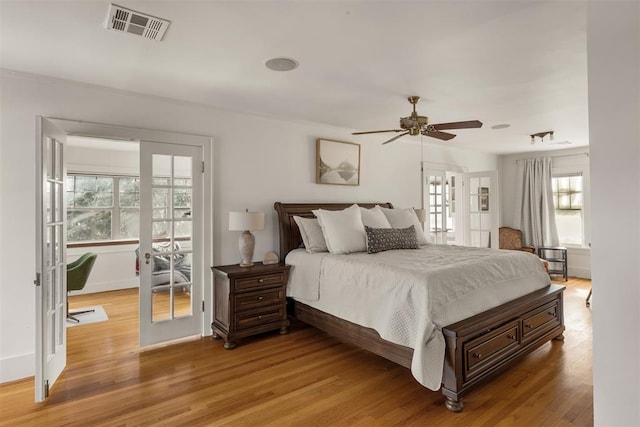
[535, 214]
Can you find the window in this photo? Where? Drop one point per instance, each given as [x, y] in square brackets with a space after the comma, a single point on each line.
[102, 207]
[568, 204]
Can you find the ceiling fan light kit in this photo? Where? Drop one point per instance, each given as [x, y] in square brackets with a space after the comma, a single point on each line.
[419, 125]
[541, 135]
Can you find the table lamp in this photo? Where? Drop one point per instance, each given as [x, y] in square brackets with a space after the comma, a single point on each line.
[245, 222]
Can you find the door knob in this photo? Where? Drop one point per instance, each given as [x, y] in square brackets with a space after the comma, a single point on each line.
[147, 257]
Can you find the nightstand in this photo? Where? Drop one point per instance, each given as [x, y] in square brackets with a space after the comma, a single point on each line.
[249, 301]
[556, 256]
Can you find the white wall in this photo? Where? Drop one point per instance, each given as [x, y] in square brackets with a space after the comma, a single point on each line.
[613, 42]
[564, 161]
[257, 161]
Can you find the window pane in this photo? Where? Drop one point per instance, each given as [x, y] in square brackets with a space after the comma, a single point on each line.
[103, 199]
[129, 185]
[85, 183]
[576, 183]
[569, 224]
[576, 201]
[129, 223]
[88, 225]
[564, 201]
[129, 200]
[563, 183]
[182, 197]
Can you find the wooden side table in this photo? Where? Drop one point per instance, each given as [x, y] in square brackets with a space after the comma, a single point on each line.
[556, 256]
[249, 301]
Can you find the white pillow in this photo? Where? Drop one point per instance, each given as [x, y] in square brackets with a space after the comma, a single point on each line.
[343, 230]
[374, 218]
[403, 218]
[311, 234]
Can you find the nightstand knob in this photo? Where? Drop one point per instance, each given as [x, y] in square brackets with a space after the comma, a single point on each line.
[511, 337]
[261, 281]
[260, 298]
[528, 326]
[260, 317]
[477, 355]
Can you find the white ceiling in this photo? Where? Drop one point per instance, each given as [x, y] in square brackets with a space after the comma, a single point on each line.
[516, 62]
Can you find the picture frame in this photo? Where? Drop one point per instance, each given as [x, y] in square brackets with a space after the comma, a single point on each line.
[337, 162]
[483, 198]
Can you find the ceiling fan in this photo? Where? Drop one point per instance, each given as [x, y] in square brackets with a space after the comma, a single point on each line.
[416, 125]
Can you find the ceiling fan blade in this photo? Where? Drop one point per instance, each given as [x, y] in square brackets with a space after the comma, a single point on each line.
[458, 125]
[437, 134]
[378, 131]
[396, 137]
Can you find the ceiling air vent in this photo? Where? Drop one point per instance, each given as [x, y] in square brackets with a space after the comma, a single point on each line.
[129, 21]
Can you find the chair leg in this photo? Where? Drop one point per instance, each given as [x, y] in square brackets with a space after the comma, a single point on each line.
[587, 302]
[71, 314]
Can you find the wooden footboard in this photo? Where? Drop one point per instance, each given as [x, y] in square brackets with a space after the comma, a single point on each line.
[477, 348]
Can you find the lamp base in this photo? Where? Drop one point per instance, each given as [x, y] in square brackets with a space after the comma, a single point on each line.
[246, 244]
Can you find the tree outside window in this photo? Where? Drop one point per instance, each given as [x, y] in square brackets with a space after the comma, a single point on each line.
[89, 208]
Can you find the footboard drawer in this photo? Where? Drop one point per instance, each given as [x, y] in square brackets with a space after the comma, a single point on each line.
[480, 352]
[539, 321]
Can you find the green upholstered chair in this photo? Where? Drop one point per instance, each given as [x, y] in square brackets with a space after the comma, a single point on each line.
[77, 274]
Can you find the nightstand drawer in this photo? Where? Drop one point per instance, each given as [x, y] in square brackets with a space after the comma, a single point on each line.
[258, 281]
[259, 317]
[250, 300]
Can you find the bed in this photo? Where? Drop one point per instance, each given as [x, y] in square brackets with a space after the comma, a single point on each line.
[475, 348]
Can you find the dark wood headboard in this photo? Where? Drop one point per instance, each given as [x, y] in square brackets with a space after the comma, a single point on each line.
[290, 234]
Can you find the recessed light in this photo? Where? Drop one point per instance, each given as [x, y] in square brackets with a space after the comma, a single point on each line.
[501, 126]
[281, 64]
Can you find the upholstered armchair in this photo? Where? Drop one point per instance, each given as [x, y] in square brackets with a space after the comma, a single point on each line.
[510, 238]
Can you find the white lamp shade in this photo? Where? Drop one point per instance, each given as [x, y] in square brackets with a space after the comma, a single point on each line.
[421, 214]
[241, 221]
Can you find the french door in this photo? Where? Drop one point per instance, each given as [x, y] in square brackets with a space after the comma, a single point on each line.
[483, 215]
[171, 231]
[51, 244]
[442, 195]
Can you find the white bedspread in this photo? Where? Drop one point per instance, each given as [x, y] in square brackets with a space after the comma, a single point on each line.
[407, 296]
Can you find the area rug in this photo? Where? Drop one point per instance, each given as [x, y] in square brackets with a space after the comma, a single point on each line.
[99, 315]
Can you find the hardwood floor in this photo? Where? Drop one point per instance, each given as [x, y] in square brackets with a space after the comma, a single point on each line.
[303, 378]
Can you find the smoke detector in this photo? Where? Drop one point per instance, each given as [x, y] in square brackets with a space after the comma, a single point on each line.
[136, 23]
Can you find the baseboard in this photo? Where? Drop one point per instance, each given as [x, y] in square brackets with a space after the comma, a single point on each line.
[93, 288]
[583, 273]
[17, 367]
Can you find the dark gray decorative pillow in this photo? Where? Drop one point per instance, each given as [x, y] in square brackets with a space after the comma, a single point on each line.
[384, 239]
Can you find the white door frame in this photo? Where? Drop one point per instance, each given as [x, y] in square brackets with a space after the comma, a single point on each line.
[106, 131]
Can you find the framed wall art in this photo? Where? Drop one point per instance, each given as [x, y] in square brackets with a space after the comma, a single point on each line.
[337, 162]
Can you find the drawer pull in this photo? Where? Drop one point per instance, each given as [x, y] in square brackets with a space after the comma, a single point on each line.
[261, 281]
[551, 313]
[260, 298]
[260, 317]
[477, 355]
[512, 337]
[526, 325]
